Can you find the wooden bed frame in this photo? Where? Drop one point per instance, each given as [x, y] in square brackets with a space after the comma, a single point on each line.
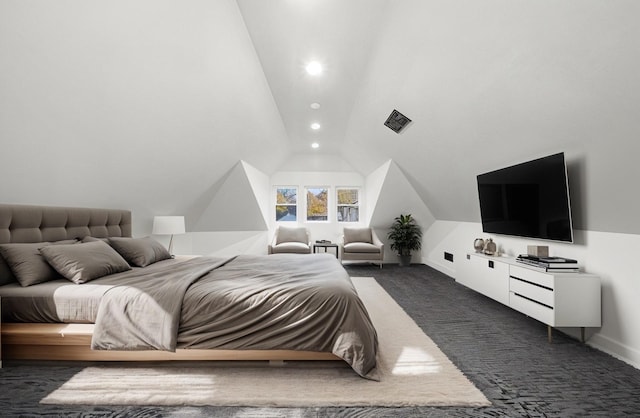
[73, 342]
[36, 341]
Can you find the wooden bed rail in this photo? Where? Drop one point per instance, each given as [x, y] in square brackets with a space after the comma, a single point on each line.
[73, 342]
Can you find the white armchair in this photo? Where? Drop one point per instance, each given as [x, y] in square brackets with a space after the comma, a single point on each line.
[290, 240]
[361, 244]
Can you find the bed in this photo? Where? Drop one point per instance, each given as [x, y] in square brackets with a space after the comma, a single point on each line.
[107, 296]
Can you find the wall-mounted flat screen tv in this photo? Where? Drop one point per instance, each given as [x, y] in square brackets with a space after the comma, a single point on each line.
[530, 200]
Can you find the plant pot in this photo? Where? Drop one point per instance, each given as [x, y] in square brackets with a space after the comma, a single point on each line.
[405, 260]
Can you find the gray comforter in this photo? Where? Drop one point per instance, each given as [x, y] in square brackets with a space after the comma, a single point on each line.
[290, 302]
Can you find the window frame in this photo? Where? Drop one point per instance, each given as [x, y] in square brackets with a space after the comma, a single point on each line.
[357, 205]
[296, 205]
[306, 202]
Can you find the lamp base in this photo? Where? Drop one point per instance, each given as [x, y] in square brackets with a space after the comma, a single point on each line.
[171, 247]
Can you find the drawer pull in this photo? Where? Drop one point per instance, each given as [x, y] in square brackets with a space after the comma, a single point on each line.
[534, 301]
[532, 283]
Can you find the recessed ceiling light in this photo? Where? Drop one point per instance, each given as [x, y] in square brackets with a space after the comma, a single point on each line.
[315, 126]
[315, 106]
[314, 68]
[315, 145]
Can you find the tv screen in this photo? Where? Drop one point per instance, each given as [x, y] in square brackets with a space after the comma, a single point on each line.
[527, 200]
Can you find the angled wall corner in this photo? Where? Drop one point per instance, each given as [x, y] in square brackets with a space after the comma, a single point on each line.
[394, 195]
[235, 206]
[373, 185]
[259, 183]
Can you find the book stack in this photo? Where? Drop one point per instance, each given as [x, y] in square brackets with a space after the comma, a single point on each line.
[550, 264]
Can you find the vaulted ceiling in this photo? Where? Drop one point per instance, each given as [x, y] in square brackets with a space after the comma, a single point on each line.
[164, 97]
[487, 84]
[340, 35]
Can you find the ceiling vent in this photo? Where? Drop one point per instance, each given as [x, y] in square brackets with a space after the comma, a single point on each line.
[397, 121]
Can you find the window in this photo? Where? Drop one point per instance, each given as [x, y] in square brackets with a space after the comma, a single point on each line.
[348, 206]
[286, 204]
[317, 203]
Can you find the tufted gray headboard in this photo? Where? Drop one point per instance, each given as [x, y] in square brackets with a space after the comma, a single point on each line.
[25, 223]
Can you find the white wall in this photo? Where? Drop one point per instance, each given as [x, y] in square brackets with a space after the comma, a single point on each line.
[609, 255]
[218, 244]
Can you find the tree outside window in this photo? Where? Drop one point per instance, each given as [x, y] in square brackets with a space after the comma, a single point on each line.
[286, 204]
[317, 204]
[348, 205]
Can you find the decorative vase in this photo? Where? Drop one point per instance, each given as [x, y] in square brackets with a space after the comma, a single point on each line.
[478, 244]
[490, 247]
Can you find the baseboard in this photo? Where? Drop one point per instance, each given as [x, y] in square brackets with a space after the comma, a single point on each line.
[441, 268]
[616, 349]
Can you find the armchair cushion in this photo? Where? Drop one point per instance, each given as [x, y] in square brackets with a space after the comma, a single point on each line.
[357, 235]
[361, 247]
[291, 247]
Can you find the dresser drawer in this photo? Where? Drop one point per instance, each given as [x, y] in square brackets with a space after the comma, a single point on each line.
[532, 291]
[543, 279]
[532, 309]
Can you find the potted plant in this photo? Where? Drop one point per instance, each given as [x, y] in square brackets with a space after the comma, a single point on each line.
[405, 236]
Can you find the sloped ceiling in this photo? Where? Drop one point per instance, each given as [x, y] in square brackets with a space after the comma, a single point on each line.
[143, 104]
[487, 84]
[104, 102]
[289, 34]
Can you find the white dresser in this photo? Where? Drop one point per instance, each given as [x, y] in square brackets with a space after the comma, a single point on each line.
[556, 299]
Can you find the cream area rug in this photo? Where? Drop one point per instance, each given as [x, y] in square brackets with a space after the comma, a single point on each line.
[413, 370]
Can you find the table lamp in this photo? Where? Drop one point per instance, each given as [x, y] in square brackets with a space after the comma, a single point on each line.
[168, 225]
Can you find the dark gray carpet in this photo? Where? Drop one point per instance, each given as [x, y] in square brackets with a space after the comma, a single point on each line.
[503, 352]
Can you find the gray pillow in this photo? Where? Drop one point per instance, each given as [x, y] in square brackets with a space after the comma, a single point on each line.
[26, 262]
[81, 263]
[140, 252]
[6, 276]
[357, 235]
[291, 234]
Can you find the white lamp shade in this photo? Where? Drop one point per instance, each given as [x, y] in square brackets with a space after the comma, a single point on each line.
[168, 225]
